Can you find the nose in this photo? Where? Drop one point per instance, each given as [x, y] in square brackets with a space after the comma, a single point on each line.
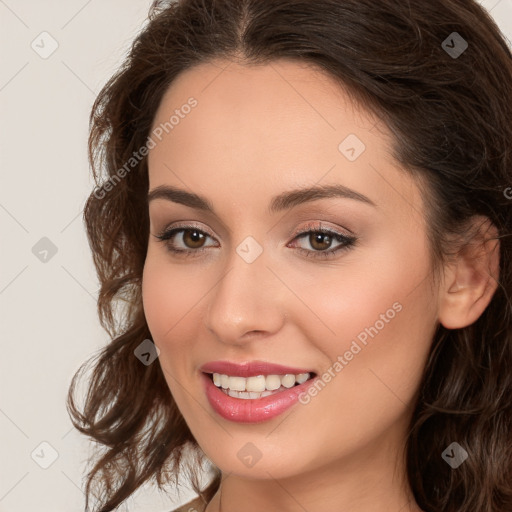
[247, 302]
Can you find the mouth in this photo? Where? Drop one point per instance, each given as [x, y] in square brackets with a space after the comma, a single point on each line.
[258, 386]
[255, 391]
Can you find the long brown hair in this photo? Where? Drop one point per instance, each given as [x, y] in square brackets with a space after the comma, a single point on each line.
[449, 108]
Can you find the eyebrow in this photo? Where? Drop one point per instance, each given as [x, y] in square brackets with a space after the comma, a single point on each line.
[283, 201]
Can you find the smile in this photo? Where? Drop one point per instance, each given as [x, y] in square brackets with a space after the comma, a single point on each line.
[255, 391]
[259, 386]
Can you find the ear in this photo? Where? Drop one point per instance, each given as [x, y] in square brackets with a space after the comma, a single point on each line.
[472, 278]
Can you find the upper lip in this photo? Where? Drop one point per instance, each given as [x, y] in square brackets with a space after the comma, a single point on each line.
[250, 368]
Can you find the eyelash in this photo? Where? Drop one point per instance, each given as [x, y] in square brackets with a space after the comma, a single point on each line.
[347, 241]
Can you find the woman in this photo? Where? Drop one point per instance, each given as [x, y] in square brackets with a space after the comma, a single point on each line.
[306, 211]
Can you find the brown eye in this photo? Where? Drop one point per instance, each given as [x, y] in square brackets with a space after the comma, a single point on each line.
[320, 241]
[185, 240]
[193, 238]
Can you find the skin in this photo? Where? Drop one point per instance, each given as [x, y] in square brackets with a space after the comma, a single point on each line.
[256, 132]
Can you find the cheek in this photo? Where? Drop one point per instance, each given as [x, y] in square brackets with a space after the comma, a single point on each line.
[171, 297]
[378, 288]
[380, 300]
[377, 316]
[172, 300]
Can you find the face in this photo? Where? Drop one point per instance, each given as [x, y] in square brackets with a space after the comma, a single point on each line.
[335, 283]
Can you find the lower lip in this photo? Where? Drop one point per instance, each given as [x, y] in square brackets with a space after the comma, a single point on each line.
[254, 410]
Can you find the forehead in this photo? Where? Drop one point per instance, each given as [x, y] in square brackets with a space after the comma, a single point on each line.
[282, 125]
[264, 99]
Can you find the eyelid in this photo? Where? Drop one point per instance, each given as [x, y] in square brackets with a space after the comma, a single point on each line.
[322, 226]
[345, 241]
[189, 225]
[317, 226]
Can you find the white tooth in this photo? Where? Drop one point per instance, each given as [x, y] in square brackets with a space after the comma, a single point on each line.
[302, 377]
[273, 382]
[216, 379]
[288, 380]
[232, 393]
[256, 383]
[224, 381]
[237, 383]
[254, 394]
[266, 393]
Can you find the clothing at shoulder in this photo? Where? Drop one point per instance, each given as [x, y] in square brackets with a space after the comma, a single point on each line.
[196, 505]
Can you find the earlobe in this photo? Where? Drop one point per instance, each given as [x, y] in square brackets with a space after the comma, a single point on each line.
[471, 280]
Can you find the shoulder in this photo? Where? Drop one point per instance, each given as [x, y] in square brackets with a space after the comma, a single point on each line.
[196, 505]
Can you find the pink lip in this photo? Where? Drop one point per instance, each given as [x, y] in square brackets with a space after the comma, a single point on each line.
[252, 410]
[250, 368]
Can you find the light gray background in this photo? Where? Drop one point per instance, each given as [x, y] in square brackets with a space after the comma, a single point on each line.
[48, 309]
